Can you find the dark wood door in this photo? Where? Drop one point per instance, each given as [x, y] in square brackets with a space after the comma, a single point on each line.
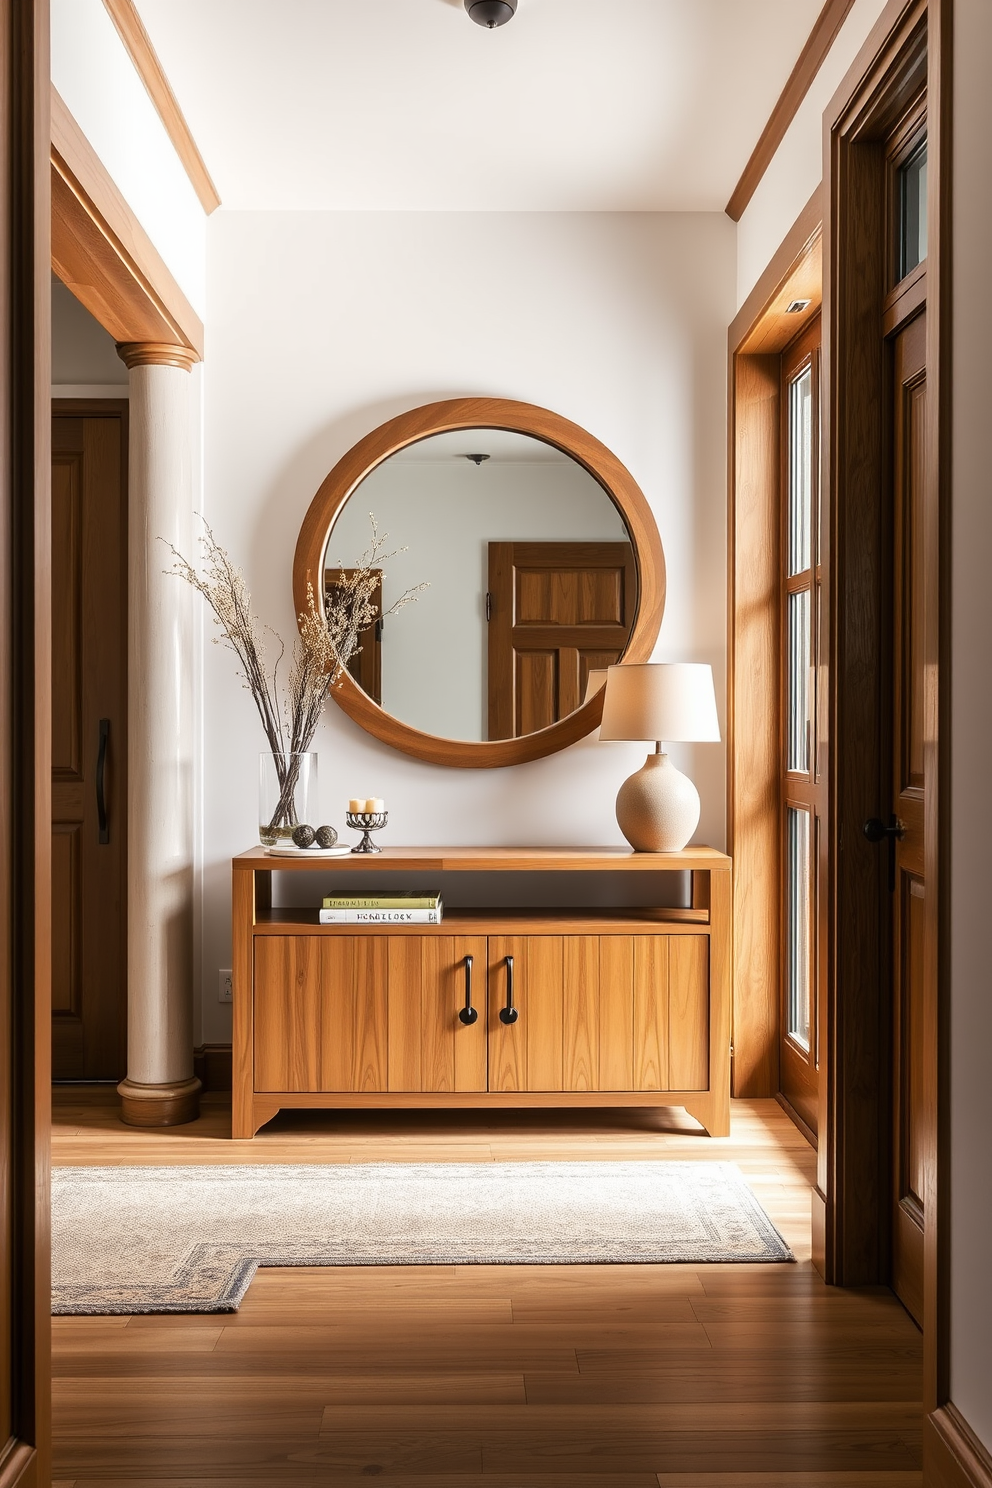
[89, 754]
[556, 612]
[911, 1134]
[366, 663]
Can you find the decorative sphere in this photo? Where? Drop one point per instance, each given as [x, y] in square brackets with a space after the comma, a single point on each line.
[303, 836]
[326, 836]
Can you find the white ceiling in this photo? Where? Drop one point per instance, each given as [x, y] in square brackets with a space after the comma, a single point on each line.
[575, 105]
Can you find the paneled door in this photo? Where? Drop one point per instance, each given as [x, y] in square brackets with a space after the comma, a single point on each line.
[89, 743]
[906, 822]
[556, 612]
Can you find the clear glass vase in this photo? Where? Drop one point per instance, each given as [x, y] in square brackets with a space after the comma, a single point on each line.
[287, 796]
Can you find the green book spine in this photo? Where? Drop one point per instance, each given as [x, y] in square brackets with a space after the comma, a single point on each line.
[382, 901]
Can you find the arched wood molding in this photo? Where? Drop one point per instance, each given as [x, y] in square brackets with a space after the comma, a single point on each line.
[102, 253]
[523, 418]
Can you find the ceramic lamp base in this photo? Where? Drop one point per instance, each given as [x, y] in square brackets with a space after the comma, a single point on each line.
[658, 807]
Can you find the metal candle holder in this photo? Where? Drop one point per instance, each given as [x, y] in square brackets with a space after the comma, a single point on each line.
[366, 822]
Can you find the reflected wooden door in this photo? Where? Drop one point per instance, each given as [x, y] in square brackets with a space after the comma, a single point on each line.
[911, 1134]
[556, 612]
[89, 746]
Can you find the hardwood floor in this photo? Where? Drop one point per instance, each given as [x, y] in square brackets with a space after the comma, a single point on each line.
[503, 1376]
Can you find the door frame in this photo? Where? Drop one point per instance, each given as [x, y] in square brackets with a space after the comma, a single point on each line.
[909, 49]
[25, 746]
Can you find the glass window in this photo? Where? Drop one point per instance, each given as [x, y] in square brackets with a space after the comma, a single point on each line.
[800, 470]
[799, 659]
[913, 211]
[799, 902]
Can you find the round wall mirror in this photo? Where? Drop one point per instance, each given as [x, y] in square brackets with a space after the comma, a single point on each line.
[531, 557]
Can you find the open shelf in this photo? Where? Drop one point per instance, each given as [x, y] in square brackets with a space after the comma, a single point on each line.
[286, 921]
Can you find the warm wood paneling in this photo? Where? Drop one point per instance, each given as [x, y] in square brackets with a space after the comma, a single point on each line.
[139, 48]
[102, 253]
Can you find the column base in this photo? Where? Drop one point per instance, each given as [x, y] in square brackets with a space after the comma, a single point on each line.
[159, 1105]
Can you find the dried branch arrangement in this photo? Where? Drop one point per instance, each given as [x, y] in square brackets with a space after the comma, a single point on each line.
[328, 638]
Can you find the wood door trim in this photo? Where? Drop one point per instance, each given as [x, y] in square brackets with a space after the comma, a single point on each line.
[25, 743]
[812, 57]
[103, 255]
[911, 42]
[138, 46]
[491, 413]
[758, 334]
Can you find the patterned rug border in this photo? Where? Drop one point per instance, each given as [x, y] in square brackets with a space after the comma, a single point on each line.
[213, 1276]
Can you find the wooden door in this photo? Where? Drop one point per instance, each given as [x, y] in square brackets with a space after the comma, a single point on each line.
[320, 1013]
[434, 980]
[599, 1013]
[912, 1137]
[89, 743]
[556, 612]
[366, 663]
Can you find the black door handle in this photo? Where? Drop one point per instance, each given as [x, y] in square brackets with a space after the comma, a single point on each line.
[103, 821]
[509, 1014]
[876, 831]
[468, 1014]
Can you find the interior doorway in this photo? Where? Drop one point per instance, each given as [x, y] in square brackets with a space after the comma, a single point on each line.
[89, 739]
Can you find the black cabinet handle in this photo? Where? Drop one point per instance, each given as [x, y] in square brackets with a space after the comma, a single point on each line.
[468, 1014]
[103, 820]
[509, 1013]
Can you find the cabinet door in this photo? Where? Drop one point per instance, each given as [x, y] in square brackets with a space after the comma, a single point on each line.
[600, 1013]
[527, 1053]
[430, 1047]
[321, 1013]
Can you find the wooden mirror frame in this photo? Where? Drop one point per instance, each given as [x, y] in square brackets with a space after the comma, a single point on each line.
[522, 418]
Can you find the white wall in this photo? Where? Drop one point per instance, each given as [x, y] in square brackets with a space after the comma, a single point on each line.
[83, 353]
[102, 90]
[322, 326]
[441, 515]
[795, 170]
[971, 727]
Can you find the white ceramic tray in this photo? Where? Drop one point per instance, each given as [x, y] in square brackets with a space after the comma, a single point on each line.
[340, 851]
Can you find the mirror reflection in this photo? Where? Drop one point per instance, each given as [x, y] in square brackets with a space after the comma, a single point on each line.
[532, 583]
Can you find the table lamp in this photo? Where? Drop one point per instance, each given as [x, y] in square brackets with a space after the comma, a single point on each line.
[658, 807]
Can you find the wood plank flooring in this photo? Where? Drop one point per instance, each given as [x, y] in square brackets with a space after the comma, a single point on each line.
[502, 1376]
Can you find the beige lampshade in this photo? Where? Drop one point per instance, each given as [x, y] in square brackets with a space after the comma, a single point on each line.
[671, 701]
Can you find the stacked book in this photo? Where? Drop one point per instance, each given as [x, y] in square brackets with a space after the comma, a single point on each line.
[383, 907]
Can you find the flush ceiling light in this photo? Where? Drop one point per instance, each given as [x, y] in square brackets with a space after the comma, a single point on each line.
[491, 13]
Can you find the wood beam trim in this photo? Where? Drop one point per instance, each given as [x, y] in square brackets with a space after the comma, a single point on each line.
[138, 46]
[800, 80]
[102, 253]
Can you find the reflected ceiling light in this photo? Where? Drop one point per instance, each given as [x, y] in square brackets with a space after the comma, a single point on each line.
[477, 459]
[491, 13]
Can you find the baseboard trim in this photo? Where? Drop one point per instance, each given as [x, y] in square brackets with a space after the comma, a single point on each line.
[953, 1457]
[212, 1065]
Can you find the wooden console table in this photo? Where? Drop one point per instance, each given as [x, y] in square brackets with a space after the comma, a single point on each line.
[614, 1007]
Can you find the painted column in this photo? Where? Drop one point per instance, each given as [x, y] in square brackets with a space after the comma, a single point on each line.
[160, 1088]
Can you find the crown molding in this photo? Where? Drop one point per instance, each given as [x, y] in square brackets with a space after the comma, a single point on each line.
[811, 59]
[138, 45]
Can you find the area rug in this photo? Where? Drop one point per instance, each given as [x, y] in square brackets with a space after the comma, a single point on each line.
[189, 1239]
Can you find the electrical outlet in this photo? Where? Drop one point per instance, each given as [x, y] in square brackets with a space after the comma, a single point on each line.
[225, 986]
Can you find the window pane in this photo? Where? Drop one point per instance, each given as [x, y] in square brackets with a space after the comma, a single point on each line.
[797, 739]
[798, 901]
[913, 211]
[800, 470]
